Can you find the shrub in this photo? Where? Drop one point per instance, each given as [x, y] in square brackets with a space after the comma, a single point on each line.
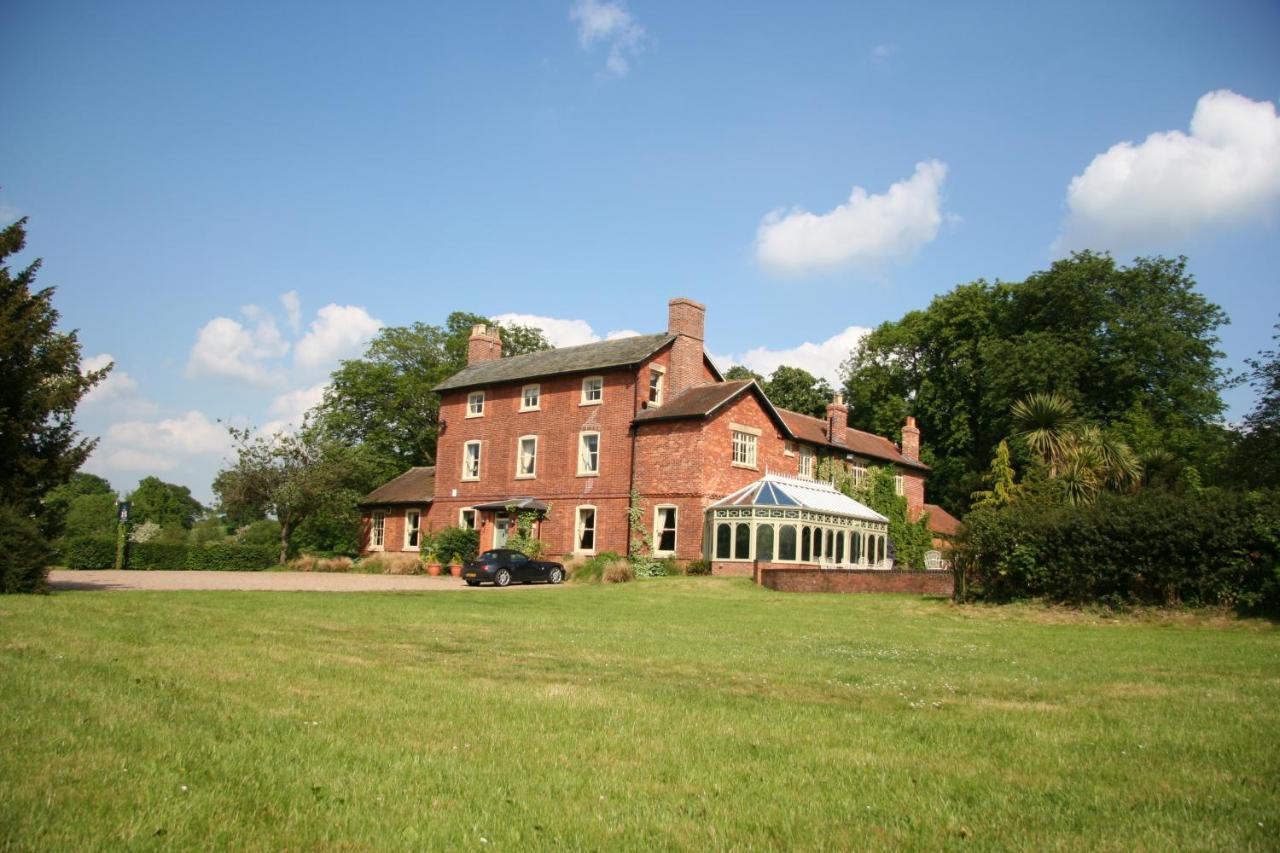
[231, 557]
[262, 532]
[24, 553]
[1154, 547]
[592, 571]
[697, 567]
[457, 545]
[157, 555]
[144, 532]
[208, 530]
[89, 552]
[320, 563]
[619, 571]
[647, 567]
[390, 564]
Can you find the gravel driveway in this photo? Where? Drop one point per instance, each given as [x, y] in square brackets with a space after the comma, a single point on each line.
[62, 579]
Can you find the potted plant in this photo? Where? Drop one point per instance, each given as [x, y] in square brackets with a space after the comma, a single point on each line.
[430, 557]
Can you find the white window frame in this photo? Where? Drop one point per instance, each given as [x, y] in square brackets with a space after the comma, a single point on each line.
[747, 439]
[478, 445]
[417, 528]
[520, 474]
[657, 530]
[578, 528]
[582, 453]
[859, 473]
[537, 398]
[475, 518]
[807, 464]
[585, 400]
[789, 448]
[475, 404]
[378, 530]
[656, 372]
[899, 484]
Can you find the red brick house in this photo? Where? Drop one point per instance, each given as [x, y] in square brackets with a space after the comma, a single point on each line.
[571, 433]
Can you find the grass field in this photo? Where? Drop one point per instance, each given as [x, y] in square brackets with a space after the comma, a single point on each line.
[681, 713]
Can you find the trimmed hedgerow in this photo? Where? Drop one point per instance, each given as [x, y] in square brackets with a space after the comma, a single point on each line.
[89, 552]
[1154, 547]
[232, 557]
[157, 555]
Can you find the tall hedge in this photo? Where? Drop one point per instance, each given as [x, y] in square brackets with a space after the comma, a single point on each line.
[1156, 547]
[93, 552]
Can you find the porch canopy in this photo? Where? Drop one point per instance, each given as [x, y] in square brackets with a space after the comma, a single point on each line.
[514, 505]
[781, 519]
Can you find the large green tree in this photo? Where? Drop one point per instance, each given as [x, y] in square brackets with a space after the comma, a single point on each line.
[1258, 450]
[61, 500]
[294, 477]
[1133, 348]
[166, 504]
[40, 386]
[799, 390]
[384, 400]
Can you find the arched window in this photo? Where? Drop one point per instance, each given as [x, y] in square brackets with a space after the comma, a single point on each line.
[880, 550]
[764, 543]
[830, 537]
[787, 542]
[723, 537]
[855, 547]
[804, 544]
[742, 542]
[840, 546]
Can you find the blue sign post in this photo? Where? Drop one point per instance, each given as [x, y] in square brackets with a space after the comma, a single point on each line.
[122, 527]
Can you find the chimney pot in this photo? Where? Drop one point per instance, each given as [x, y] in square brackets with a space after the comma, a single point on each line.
[483, 345]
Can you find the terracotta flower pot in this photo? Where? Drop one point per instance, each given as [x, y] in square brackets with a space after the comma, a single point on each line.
[455, 570]
[433, 569]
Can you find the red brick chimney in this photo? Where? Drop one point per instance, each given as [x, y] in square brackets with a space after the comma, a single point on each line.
[483, 345]
[837, 420]
[911, 439]
[686, 320]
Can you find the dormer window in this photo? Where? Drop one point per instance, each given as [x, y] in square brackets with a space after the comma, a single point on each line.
[656, 375]
[531, 398]
[592, 390]
[475, 404]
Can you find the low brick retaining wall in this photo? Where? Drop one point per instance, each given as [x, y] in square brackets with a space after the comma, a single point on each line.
[857, 580]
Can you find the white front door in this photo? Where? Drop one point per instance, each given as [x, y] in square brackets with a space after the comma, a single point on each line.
[501, 527]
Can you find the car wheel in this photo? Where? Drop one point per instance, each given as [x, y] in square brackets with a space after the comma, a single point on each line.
[502, 578]
[473, 583]
[556, 575]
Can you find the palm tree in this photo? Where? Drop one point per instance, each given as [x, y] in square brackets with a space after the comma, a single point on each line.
[1045, 422]
[1115, 464]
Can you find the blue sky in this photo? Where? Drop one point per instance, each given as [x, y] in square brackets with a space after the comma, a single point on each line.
[232, 197]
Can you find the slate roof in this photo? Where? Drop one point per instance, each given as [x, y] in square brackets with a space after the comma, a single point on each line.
[415, 486]
[584, 358]
[815, 430]
[702, 401]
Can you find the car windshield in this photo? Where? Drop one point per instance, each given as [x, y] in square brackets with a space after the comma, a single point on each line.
[490, 557]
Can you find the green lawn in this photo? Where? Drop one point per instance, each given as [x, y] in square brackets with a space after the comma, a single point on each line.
[682, 713]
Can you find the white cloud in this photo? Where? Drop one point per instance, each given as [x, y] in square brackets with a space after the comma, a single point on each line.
[117, 384]
[135, 460]
[621, 333]
[290, 408]
[293, 310]
[1226, 172]
[865, 231]
[192, 433]
[339, 331]
[608, 23]
[561, 333]
[226, 348]
[821, 359]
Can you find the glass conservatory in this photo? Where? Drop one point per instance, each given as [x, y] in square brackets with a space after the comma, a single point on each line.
[788, 520]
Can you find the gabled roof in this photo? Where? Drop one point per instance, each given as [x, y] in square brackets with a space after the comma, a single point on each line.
[816, 431]
[621, 352]
[703, 401]
[776, 490]
[415, 486]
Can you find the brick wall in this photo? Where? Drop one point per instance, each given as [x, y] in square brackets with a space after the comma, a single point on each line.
[816, 580]
[393, 528]
[557, 422]
[913, 489]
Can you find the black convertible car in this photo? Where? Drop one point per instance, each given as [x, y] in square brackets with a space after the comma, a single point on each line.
[501, 566]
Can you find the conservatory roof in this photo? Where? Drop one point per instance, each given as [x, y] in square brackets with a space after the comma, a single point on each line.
[776, 490]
